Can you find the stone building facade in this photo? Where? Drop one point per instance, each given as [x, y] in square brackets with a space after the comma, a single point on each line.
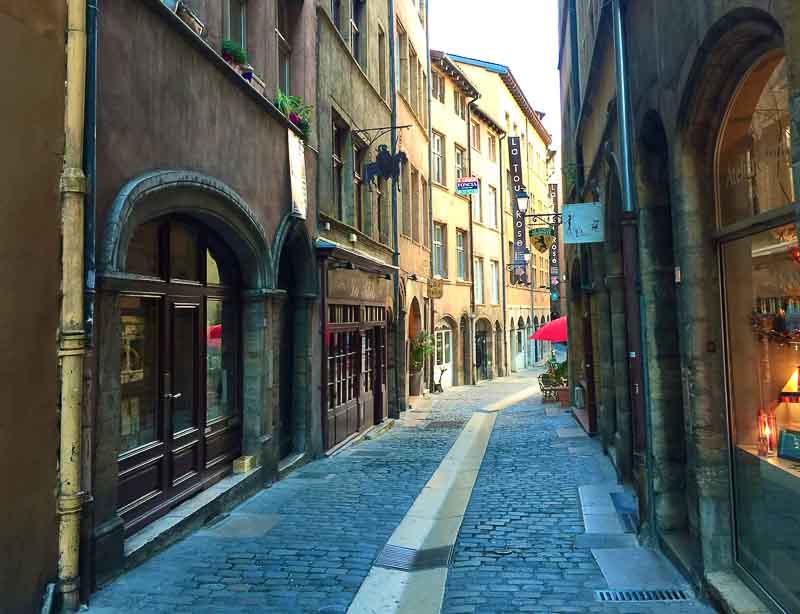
[207, 295]
[683, 319]
[527, 302]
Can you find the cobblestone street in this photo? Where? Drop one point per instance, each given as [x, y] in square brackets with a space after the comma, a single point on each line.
[307, 543]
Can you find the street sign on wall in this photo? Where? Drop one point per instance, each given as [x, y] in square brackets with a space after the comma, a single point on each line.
[583, 223]
[297, 175]
[520, 246]
[435, 289]
[466, 186]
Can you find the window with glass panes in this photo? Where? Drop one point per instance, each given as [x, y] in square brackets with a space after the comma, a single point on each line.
[460, 105]
[475, 136]
[413, 85]
[437, 152]
[477, 204]
[284, 47]
[356, 29]
[337, 160]
[415, 204]
[492, 147]
[477, 283]
[358, 192]
[382, 77]
[495, 275]
[461, 254]
[440, 250]
[491, 207]
[437, 87]
[235, 21]
[461, 162]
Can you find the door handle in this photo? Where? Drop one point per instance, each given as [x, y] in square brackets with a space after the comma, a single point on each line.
[177, 395]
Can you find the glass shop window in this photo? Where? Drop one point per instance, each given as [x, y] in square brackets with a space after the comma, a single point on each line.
[761, 276]
[754, 172]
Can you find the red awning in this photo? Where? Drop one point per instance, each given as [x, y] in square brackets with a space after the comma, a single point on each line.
[552, 331]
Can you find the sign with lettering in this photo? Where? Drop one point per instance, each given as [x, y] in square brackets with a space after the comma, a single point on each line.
[466, 186]
[555, 268]
[297, 175]
[520, 247]
[542, 238]
[583, 223]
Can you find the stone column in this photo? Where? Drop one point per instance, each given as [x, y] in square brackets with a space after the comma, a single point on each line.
[257, 379]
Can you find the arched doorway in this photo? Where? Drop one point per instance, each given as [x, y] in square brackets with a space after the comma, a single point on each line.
[415, 371]
[295, 282]
[498, 350]
[520, 344]
[444, 354]
[667, 430]
[180, 370]
[466, 362]
[483, 349]
[512, 340]
[530, 344]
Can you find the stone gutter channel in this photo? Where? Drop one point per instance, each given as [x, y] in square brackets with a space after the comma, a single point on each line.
[410, 574]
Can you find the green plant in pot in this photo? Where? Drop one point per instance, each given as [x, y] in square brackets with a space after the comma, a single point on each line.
[233, 52]
[297, 112]
[422, 346]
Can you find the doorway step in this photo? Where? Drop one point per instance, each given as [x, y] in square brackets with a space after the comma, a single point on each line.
[190, 516]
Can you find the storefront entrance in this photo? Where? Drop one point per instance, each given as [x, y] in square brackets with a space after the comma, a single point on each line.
[180, 406]
[356, 370]
[483, 351]
[443, 370]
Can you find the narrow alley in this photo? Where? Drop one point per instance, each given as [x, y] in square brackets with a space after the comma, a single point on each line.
[308, 543]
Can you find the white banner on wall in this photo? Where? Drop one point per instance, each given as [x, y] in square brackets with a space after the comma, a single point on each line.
[583, 223]
[297, 175]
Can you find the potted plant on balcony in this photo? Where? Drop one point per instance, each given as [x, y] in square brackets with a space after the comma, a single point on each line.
[234, 54]
[421, 347]
[297, 112]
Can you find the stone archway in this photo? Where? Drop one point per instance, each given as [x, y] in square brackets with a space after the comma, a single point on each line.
[465, 373]
[483, 349]
[667, 428]
[293, 316]
[499, 345]
[206, 203]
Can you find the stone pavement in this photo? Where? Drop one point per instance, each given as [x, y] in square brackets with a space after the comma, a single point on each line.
[306, 544]
[520, 547]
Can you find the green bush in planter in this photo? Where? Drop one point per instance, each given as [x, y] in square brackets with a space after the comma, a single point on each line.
[233, 51]
[421, 347]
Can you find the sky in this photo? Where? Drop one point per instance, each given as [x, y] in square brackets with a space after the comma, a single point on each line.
[522, 34]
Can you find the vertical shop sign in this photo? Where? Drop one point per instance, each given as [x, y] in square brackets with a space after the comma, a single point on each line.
[517, 186]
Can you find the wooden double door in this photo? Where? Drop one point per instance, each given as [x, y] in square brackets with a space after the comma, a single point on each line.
[356, 396]
[180, 398]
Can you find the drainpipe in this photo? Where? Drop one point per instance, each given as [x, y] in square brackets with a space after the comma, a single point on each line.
[634, 299]
[71, 331]
[430, 184]
[90, 164]
[473, 367]
[399, 333]
[500, 139]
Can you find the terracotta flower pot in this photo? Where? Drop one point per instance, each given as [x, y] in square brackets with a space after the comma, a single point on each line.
[415, 383]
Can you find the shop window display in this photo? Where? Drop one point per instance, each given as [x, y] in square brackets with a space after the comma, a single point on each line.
[761, 269]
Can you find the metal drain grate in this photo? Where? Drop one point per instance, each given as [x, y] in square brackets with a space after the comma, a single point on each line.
[408, 559]
[633, 596]
[445, 424]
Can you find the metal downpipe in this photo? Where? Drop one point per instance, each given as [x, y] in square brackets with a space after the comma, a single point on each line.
[399, 333]
[630, 206]
[71, 328]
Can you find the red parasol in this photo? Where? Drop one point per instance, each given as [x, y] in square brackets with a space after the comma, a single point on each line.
[552, 331]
